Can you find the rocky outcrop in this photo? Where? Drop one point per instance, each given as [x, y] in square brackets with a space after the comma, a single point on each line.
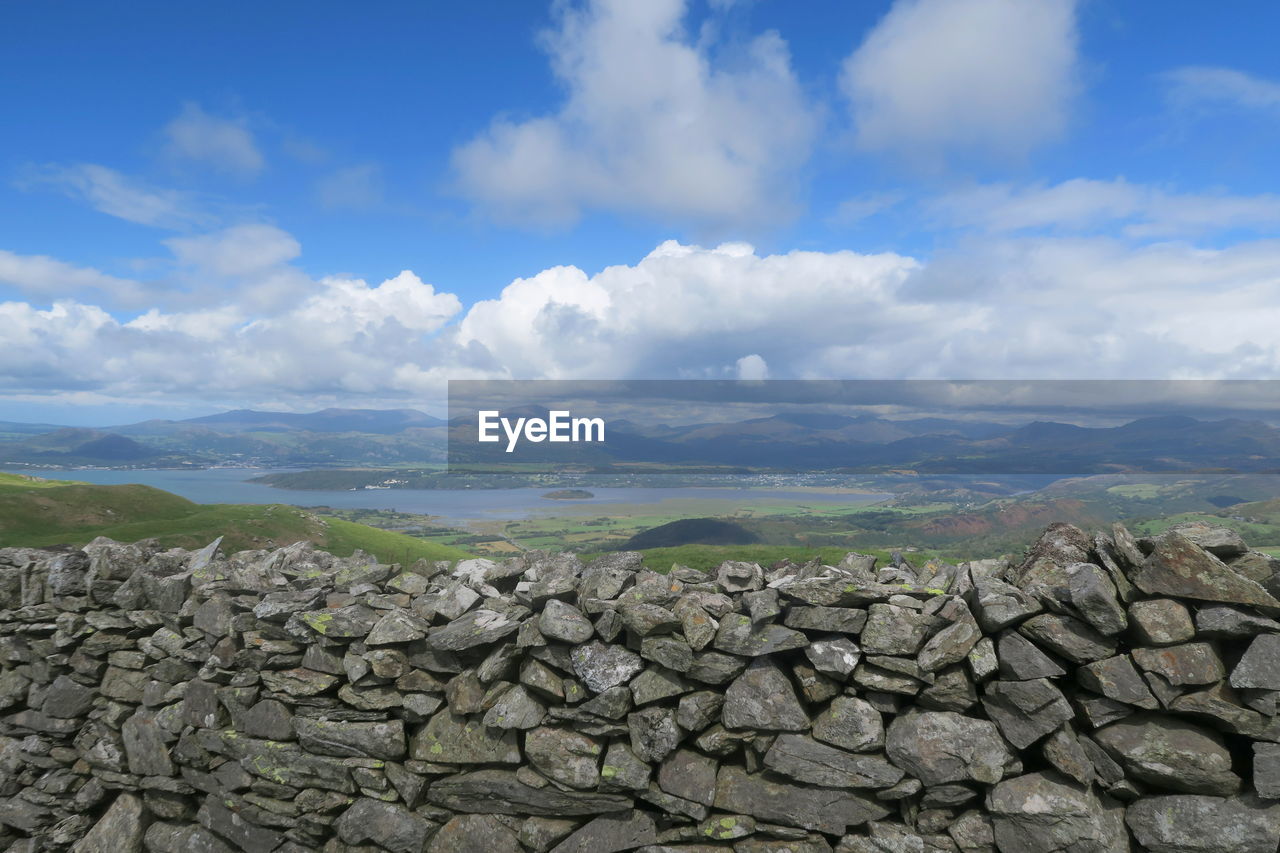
[1105, 693]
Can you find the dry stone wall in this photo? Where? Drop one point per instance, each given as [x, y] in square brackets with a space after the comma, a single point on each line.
[1099, 694]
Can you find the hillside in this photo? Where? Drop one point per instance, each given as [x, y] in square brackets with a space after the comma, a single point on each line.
[40, 513]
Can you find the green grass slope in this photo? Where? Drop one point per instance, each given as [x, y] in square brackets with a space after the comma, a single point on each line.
[39, 513]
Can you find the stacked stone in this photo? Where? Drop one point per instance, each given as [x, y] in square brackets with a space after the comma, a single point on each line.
[1105, 693]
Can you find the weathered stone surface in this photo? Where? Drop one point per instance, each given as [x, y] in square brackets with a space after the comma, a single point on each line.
[1179, 568]
[564, 756]
[1045, 812]
[1186, 664]
[1266, 770]
[806, 760]
[601, 666]
[1116, 678]
[835, 620]
[738, 635]
[500, 792]
[1171, 754]
[998, 605]
[611, 834]
[1222, 542]
[654, 733]
[835, 656]
[1094, 597]
[1022, 660]
[1068, 637]
[1260, 666]
[1160, 622]
[763, 698]
[388, 825]
[1219, 620]
[1025, 711]
[120, 829]
[452, 739]
[1198, 824]
[733, 576]
[850, 723]
[892, 630]
[475, 628]
[480, 832]
[822, 809]
[518, 708]
[939, 747]
[368, 740]
[690, 776]
[950, 645]
[564, 622]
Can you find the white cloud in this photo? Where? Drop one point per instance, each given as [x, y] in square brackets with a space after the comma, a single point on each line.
[225, 145]
[354, 188]
[41, 276]
[236, 251]
[112, 193]
[1199, 85]
[1136, 210]
[937, 76]
[651, 125]
[1002, 307]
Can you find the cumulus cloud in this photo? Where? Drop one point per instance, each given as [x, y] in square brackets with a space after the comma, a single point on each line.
[1081, 204]
[652, 124]
[1198, 86]
[238, 250]
[1005, 306]
[937, 76]
[225, 145]
[115, 194]
[42, 276]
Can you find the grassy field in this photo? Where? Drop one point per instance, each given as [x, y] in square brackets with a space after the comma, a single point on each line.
[42, 513]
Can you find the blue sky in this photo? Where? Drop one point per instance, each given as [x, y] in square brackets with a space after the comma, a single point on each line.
[202, 202]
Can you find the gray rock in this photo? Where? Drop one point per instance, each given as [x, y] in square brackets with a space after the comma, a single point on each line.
[657, 683]
[173, 838]
[388, 825]
[1094, 597]
[1266, 770]
[1219, 620]
[1186, 664]
[654, 733]
[1170, 753]
[120, 829]
[601, 667]
[145, 746]
[267, 719]
[1022, 660]
[611, 834]
[398, 626]
[1026, 711]
[1160, 622]
[733, 576]
[383, 740]
[892, 630]
[674, 653]
[1046, 813]
[716, 667]
[939, 747]
[822, 809]
[644, 619]
[950, 645]
[1260, 666]
[1068, 755]
[1180, 568]
[763, 698]
[482, 833]
[850, 723]
[835, 656]
[564, 756]
[474, 628]
[690, 776]
[451, 739]
[738, 635]
[1199, 824]
[564, 622]
[834, 620]
[517, 708]
[493, 791]
[1070, 638]
[245, 836]
[68, 699]
[806, 760]
[1222, 542]
[1117, 679]
[998, 605]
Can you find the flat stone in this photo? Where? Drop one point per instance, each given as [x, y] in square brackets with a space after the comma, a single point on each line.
[174, 838]
[1219, 620]
[145, 746]
[398, 626]
[826, 810]
[689, 775]
[601, 666]
[1179, 568]
[1070, 638]
[834, 656]
[267, 719]
[623, 770]
[474, 628]
[834, 620]
[1266, 770]
[1026, 711]
[850, 723]
[1046, 812]
[939, 747]
[673, 653]
[892, 630]
[479, 832]
[657, 683]
[492, 791]
[1170, 753]
[738, 635]
[950, 645]
[1259, 668]
[564, 756]
[518, 708]
[716, 667]
[806, 760]
[998, 605]
[654, 733]
[383, 740]
[1094, 597]
[734, 576]
[611, 834]
[451, 739]
[699, 709]
[1160, 622]
[564, 622]
[120, 829]
[644, 619]
[1186, 664]
[1022, 660]
[763, 698]
[1221, 542]
[388, 825]
[1117, 679]
[1190, 823]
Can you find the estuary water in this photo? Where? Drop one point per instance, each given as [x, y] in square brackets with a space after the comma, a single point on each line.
[454, 507]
